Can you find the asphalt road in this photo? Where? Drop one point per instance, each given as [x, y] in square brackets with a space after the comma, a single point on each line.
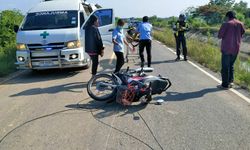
[51, 110]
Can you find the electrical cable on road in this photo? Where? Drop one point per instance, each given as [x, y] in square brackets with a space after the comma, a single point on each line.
[78, 107]
[114, 128]
[150, 130]
[35, 119]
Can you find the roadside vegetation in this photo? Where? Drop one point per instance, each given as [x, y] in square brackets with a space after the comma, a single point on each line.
[208, 19]
[209, 16]
[8, 19]
[208, 55]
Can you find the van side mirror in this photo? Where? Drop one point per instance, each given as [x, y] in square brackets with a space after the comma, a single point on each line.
[16, 28]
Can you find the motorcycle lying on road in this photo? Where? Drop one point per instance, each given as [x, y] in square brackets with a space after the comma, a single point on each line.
[127, 87]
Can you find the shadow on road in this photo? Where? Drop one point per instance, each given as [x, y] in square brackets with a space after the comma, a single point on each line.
[104, 109]
[158, 62]
[164, 61]
[175, 96]
[107, 64]
[70, 87]
[100, 110]
[44, 75]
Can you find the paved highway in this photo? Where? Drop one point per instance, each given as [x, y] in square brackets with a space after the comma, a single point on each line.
[51, 110]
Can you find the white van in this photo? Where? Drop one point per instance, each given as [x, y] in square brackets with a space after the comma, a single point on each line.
[52, 34]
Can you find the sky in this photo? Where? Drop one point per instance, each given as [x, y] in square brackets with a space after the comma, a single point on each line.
[124, 8]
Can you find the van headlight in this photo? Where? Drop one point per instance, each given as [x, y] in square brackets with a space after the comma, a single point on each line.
[74, 44]
[21, 47]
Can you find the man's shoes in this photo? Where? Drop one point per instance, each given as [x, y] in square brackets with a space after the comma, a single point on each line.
[177, 59]
[185, 59]
[223, 87]
[92, 76]
[142, 64]
[231, 85]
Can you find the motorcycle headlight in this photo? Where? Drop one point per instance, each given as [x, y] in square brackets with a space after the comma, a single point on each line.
[73, 44]
[21, 47]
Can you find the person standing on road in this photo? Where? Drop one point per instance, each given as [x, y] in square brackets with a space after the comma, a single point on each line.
[145, 30]
[231, 33]
[180, 28]
[93, 42]
[119, 40]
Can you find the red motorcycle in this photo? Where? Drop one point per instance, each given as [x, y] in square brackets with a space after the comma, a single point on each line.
[127, 87]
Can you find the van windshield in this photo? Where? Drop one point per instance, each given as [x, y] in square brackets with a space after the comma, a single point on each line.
[51, 20]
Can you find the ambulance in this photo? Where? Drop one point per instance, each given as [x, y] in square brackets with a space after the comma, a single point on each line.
[52, 34]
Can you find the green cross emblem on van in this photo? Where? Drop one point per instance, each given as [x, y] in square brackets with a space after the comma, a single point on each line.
[44, 34]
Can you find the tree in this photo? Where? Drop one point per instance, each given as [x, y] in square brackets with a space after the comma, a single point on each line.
[8, 19]
[190, 12]
[211, 13]
[223, 3]
[214, 12]
[240, 7]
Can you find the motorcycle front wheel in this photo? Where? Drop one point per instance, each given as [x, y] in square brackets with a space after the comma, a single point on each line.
[102, 87]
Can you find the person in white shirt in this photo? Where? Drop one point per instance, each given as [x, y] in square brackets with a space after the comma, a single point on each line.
[119, 40]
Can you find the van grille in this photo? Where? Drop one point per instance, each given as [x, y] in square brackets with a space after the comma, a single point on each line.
[51, 46]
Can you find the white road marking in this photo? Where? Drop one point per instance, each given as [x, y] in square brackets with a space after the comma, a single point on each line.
[202, 70]
[211, 76]
[158, 42]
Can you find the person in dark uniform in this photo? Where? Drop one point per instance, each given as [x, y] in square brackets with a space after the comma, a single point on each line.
[93, 42]
[180, 28]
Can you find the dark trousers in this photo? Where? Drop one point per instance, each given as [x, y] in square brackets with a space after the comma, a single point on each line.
[119, 61]
[181, 41]
[227, 71]
[142, 45]
[95, 62]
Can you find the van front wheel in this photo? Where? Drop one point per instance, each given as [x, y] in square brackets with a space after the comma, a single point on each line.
[87, 65]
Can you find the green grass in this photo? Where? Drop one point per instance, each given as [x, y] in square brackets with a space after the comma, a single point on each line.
[242, 76]
[7, 60]
[216, 29]
[248, 32]
[206, 54]
[166, 37]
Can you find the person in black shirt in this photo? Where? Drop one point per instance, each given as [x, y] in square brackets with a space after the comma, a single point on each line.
[93, 42]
